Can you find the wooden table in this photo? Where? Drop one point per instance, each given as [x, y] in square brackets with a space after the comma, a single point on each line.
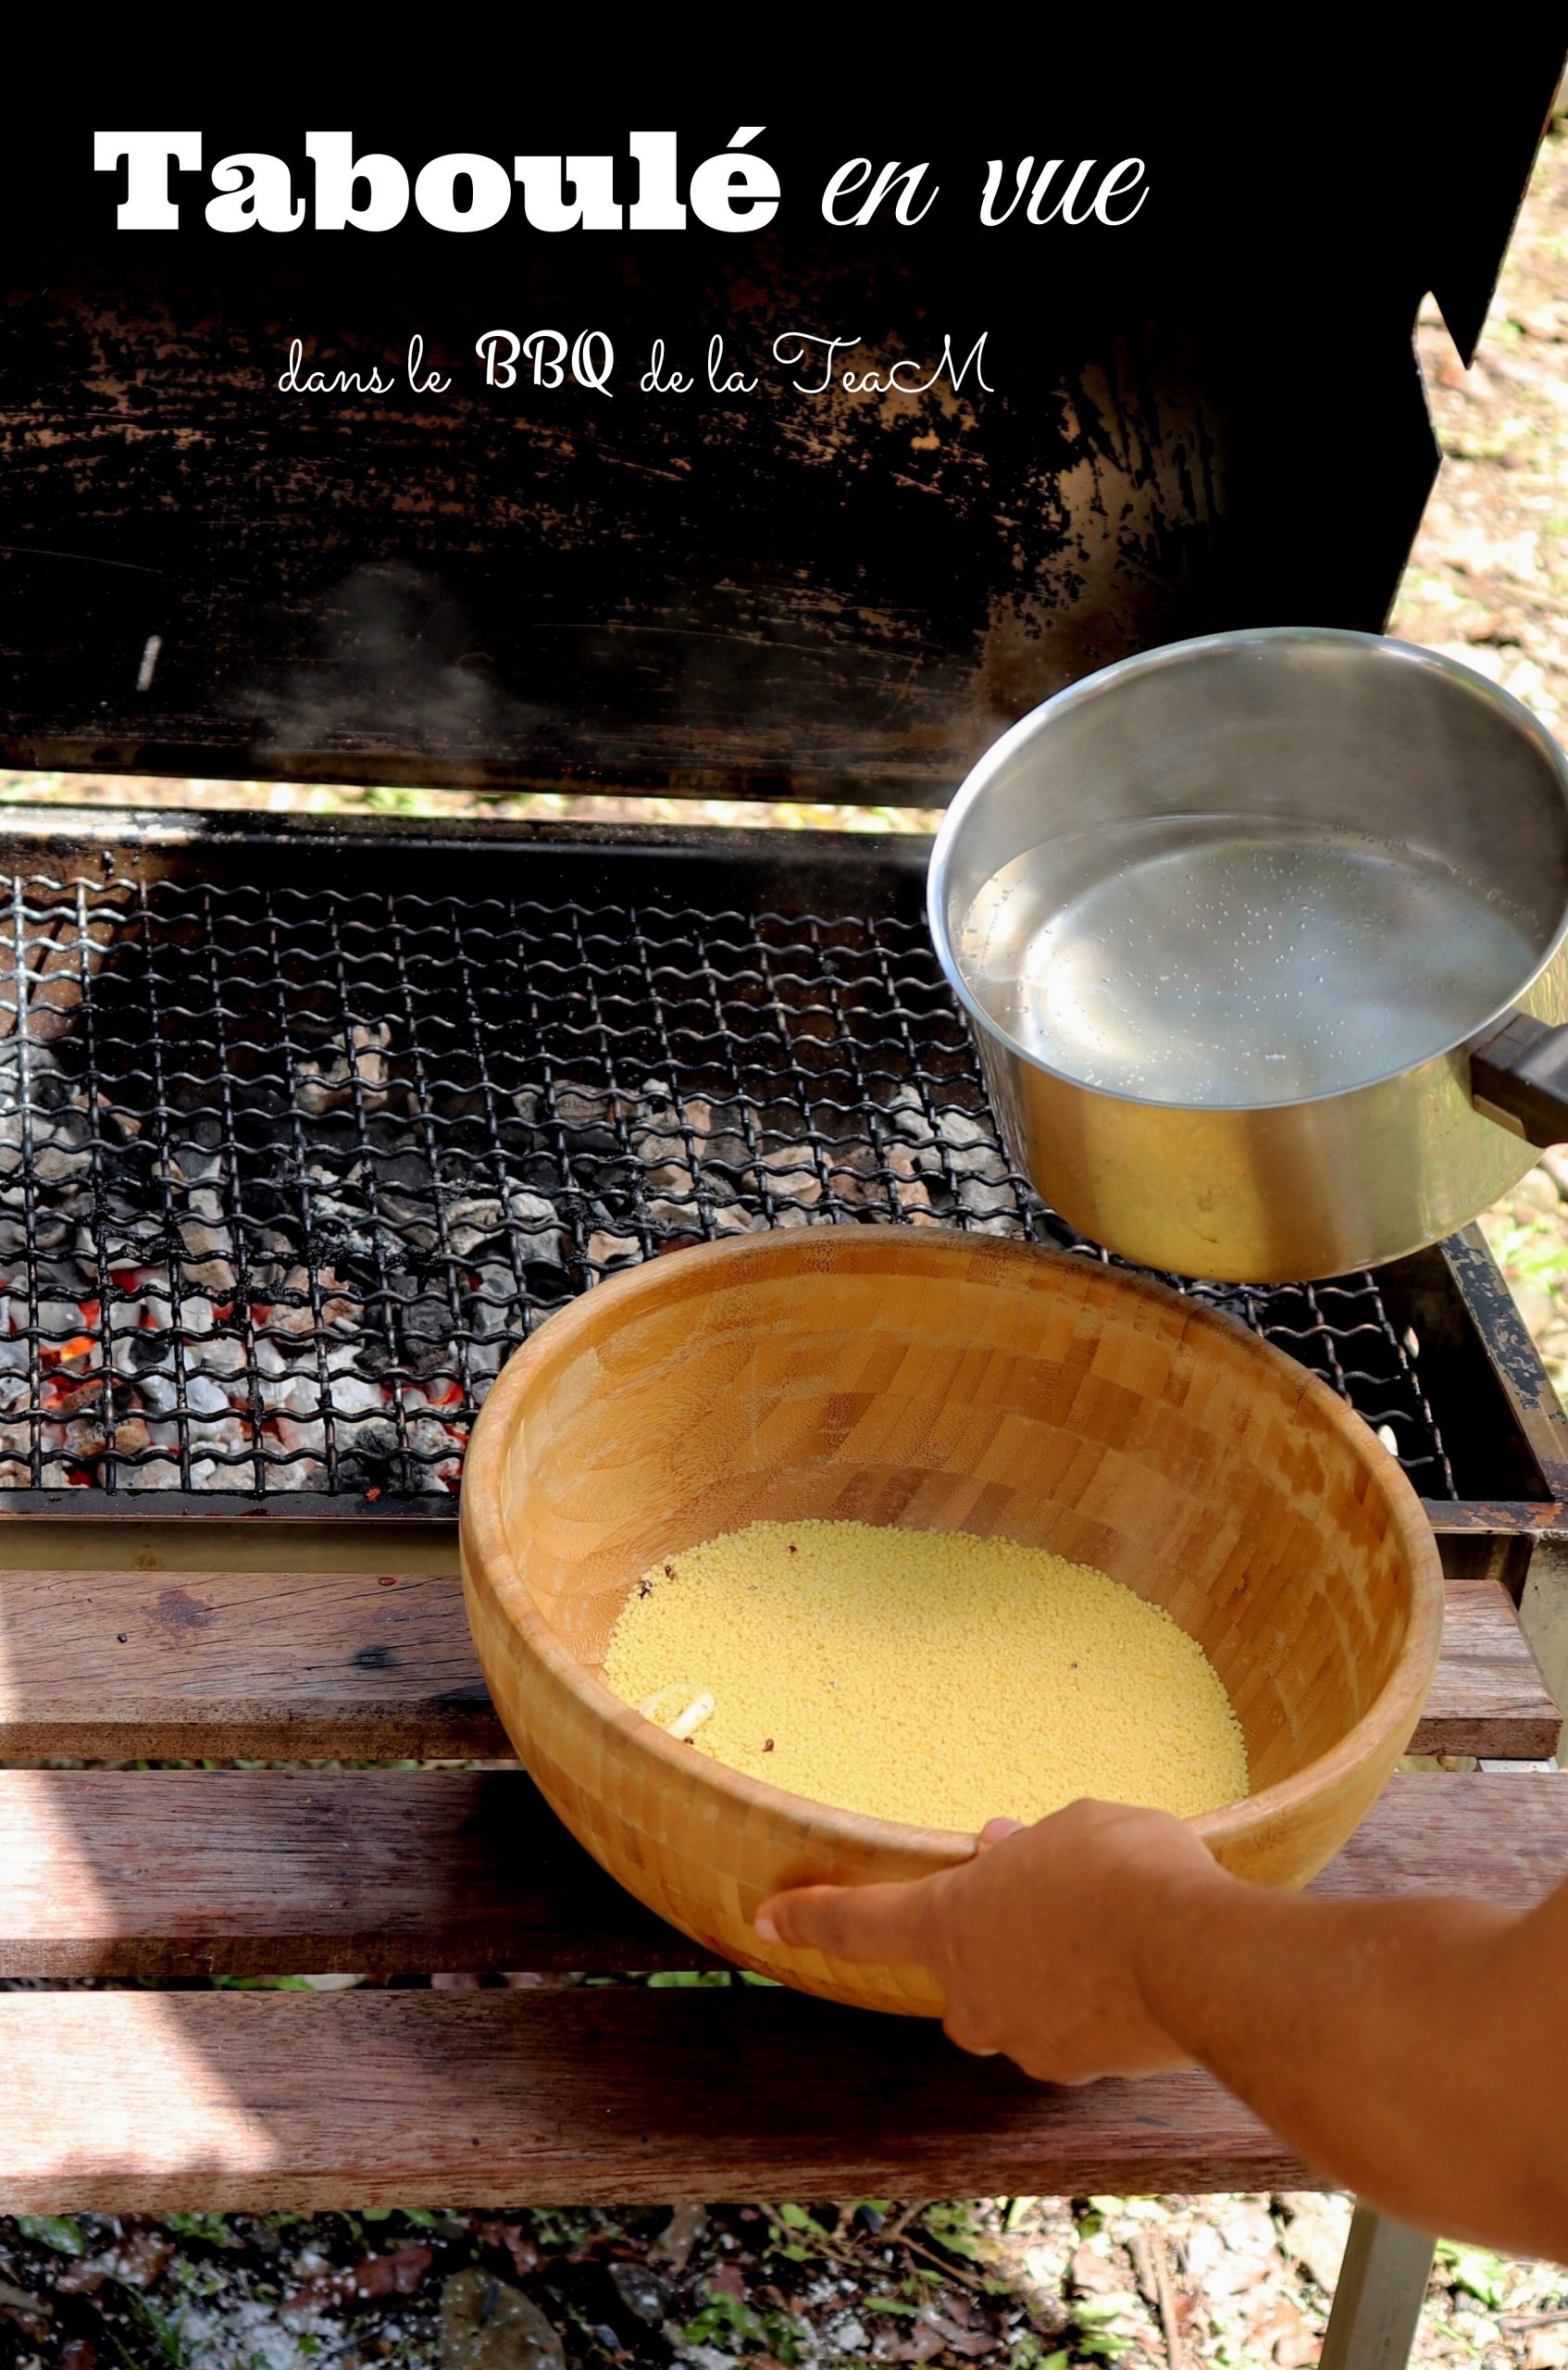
[155, 2099]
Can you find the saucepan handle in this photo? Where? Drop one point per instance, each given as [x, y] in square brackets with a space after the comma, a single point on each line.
[1519, 1076]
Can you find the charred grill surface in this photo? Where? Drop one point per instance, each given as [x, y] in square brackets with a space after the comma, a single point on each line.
[285, 1173]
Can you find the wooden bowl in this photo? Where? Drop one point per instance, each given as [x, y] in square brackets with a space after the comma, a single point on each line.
[938, 1381]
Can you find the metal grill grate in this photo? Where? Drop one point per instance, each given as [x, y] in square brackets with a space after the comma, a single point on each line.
[284, 1175]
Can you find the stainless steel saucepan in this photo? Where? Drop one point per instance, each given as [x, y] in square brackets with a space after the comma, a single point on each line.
[1263, 940]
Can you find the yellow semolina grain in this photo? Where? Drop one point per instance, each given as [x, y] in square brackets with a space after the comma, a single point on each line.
[929, 1676]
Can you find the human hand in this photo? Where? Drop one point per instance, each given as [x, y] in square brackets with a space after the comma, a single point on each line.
[1040, 1942]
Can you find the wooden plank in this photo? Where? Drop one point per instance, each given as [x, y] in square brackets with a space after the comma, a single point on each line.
[160, 2102]
[1488, 1683]
[181, 1872]
[378, 1666]
[240, 1665]
[191, 1872]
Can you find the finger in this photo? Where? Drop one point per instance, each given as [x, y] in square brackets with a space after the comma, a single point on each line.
[872, 1924]
[997, 1830]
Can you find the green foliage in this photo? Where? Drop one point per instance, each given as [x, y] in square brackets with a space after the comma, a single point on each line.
[728, 2322]
[1028, 2355]
[1474, 2271]
[1099, 2344]
[810, 2235]
[212, 2228]
[163, 2329]
[57, 2230]
[258, 1983]
[954, 2227]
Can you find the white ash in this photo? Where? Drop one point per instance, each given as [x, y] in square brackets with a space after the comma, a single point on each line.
[266, 1320]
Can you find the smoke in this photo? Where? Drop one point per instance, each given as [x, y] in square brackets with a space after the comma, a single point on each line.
[394, 669]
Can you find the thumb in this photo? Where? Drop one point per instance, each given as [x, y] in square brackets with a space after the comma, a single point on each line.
[870, 1924]
[997, 1830]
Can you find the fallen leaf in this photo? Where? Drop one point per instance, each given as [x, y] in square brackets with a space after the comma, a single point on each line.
[317, 2295]
[80, 2279]
[142, 2259]
[35, 2323]
[726, 2277]
[78, 2355]
[970, 2342]
[487, 2325]
[1094, 2274]
[920, 2344]
[517, 2243]
[1282, 2333]
[398, 2274]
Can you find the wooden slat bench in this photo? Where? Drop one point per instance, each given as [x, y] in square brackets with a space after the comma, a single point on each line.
[122, 2098]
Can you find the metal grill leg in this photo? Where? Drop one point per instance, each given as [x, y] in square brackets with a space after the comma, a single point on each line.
[1378, 2300]
[1543, 1612]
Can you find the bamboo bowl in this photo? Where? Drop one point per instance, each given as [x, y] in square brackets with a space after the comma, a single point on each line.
[939, 1381]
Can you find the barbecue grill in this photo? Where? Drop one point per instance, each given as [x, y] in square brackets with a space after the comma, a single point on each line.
[286, 1171]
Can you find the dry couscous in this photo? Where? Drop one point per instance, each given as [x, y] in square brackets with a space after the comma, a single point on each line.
[934, 1677]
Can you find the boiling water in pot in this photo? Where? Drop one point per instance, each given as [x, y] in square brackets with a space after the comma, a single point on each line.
[1223, 960]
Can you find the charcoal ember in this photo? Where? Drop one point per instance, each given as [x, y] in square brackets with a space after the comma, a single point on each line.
[290, 1312]
[293, 1473]
[733, 1217]
[152, 1473]
[606, 1249]
[356, 1077]
[430, 1442]
[371, 1455]
[909, 1187]
[296, 1392]
[476, 1222]
[67, 1136]
[223, 1353]
[302, 1437]
[58, 1319]
[267, 1204]
[989, 1202]
[485, 1359]
[158, 1394]
[82, 1437]
[788, 1173]
[16, 1442]
[355, 1394]
[200, 1240]
[137, 1352]
[905, 1112]
[217, 1277]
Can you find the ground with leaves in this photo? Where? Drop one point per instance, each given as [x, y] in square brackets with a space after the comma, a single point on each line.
[1028, 2283]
